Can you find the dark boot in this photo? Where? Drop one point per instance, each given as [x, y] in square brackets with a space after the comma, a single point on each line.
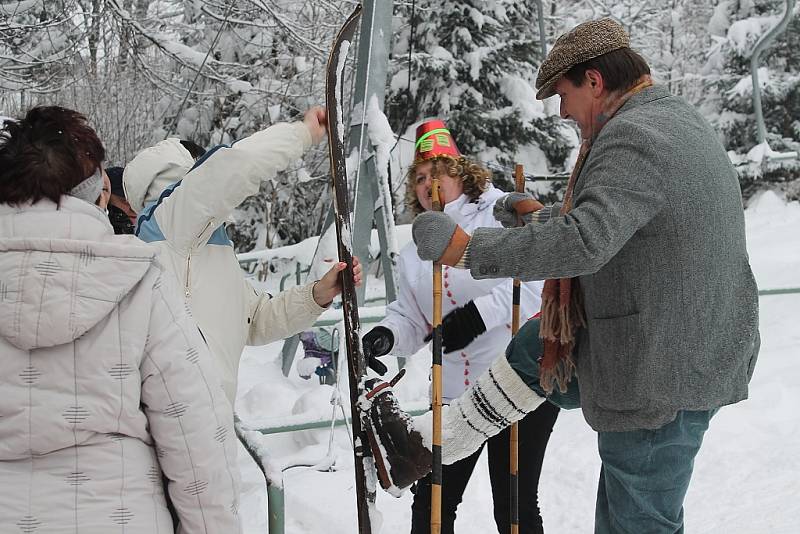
[400, 456]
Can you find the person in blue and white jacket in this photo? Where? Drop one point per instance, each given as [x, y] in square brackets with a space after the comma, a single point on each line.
[182, 207]
[476, 327]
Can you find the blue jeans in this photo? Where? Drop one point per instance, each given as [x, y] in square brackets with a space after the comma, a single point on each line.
[645, 473]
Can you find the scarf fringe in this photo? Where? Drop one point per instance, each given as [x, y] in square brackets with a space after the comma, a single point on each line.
[558, 375]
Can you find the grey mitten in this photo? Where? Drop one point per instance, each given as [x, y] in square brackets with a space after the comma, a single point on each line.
[504, 210]
[432, 232]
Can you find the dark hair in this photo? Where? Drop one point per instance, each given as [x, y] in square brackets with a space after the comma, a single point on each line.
[194, 149]
[620, 69]
[46, 154]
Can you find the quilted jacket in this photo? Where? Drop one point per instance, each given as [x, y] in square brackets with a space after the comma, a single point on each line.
[106, 387]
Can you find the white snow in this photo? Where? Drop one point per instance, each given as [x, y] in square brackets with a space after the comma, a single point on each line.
[746, 478]
[345, 48]
[523, 97]
[383, 140]
[10, 9]
[744, 87]
[743, 34]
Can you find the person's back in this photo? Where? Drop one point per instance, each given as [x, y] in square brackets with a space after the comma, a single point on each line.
[108, 389]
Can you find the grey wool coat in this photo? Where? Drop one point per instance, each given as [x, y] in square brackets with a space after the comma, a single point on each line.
[656, 237]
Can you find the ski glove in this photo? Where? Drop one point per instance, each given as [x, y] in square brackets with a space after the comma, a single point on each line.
[377, 342]
[513, 205]
[439, 238]
[460, 327]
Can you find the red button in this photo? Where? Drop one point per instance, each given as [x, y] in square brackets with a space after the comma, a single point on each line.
[466, 382]
[449, 294]
[446, 285]
[466, 363]
[452, 302]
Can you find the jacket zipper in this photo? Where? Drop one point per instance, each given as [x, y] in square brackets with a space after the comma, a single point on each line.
[187, 288]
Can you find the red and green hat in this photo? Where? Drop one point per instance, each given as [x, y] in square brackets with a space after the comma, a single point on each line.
[434, 140]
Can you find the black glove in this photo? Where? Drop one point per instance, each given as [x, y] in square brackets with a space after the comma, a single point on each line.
[377, 342]
[460, 327]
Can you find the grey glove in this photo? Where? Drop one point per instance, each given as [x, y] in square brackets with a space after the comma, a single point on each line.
[432, 232]
[504, 209]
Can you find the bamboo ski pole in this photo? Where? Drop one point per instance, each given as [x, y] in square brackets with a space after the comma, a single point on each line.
[519, 182]
[436, 377]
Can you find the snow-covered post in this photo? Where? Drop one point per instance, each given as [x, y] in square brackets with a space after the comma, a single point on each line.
[373, 61]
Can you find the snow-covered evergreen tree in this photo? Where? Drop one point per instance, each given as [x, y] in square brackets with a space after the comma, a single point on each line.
[738, 26]
[473, 64]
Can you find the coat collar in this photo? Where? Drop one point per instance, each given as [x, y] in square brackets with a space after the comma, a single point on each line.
[645, 96]
[462, 207]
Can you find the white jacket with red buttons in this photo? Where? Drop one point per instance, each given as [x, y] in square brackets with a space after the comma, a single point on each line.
[410, 316]
[185, 207]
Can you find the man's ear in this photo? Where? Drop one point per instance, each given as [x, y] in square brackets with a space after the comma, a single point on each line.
[595, 81]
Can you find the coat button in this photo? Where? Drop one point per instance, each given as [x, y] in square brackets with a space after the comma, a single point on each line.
[482, 269]
[452, 302]
[493, 269]
[449, 294]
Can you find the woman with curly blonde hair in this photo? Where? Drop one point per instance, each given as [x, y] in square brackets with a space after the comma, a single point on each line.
[476, 327]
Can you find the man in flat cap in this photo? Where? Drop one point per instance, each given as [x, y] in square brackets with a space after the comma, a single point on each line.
[649, 306]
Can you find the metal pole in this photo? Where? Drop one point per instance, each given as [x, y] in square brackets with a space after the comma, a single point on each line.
[762, 44]
[542, 38]
[374, 44]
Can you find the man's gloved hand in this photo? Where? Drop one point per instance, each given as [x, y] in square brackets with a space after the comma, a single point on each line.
[439, 238]
[377, 342]
[513, 205]
[460, 327]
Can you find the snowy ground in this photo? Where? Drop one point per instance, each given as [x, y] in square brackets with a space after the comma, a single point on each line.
[747, 475]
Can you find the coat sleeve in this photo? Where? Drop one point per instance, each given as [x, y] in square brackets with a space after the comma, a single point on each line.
[190, 419]
[404, 316]
[620, 194]
[286, 314]
[209, 193]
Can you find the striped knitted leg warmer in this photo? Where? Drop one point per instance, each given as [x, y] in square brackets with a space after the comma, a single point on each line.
[498, 398]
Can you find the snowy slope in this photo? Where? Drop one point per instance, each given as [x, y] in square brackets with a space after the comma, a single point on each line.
[747, 475]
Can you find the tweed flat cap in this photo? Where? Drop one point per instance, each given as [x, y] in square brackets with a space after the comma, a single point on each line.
[584, 42]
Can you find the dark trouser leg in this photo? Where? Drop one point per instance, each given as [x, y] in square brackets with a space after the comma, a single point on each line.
[523, 355]
[454, 482]
[534, 433]
[645, 475]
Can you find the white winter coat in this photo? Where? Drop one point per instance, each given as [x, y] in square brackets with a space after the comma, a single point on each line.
[186, 224]
[410, 316]
[106, 383]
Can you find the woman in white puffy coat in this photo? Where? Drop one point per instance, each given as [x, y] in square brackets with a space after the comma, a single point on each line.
[476, 327]
[109, 394]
